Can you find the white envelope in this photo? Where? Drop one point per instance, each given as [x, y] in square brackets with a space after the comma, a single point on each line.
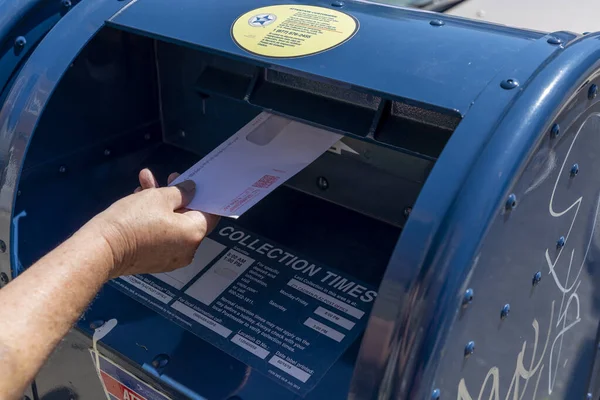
[245, 168]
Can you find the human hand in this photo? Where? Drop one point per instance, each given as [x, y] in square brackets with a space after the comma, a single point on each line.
[151, 231]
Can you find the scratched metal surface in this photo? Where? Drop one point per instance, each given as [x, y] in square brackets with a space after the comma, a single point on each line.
[545, 347]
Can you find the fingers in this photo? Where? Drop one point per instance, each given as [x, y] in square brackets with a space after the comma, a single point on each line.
[211, 222]
[147, 179]
[172, 177]
[180, 195]
[202, 219]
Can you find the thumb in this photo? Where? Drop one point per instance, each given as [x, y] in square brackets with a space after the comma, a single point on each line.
[180, 195]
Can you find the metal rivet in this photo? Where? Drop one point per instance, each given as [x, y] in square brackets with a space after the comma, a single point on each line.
[469, 348]
[107, 152]
[18, 193]
[505, 311]
[20, 42]
[509, 84]
[537, 277]
[589, 396]
[467, 297]
[322, 183]
[160, 361]
[62, 169]
[437, 22]
[66, 3]
[511, 202]
[435, 395]
[2, 246]
[560, 242]
[3, 278]
[147, 136]
[407, 211]
[574, 169]
[555, 131]
[338, 4]
[554, 40]
[593, 92]
[96, 324]
[182, 133]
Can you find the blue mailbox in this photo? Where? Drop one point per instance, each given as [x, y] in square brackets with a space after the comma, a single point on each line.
[448, 248]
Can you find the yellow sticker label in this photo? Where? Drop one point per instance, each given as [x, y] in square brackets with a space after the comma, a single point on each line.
[286, 31]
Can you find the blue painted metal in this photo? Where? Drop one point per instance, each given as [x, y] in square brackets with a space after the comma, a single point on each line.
[464, 233]
[11, 12]
[414, 69]
[449, 224]
[22, 25]
[28, 95]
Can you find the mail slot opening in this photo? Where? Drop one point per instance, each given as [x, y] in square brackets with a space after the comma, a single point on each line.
[319, 244]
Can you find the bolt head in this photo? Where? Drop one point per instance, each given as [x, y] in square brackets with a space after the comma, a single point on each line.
[407, 211]
[469, 349]
[147, 136]
[96, 324]
[107, 152]
[3, 278]
[62, 169]
[322, 183]
[589, 396]
[593, 92]
[437, 22]
[555, 130]
[66, 3]
[337, 4]
[574, 170]
[505, 311]
[554, 40]
[2, 246]
[509, 84]
[160, 361]
[436, 394]
[511, 202]
[182, 133]
[20, 42]
[561, 242]
[467, 297]
[537, 277]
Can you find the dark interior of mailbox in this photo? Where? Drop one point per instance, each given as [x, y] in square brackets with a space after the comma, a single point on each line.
[129, 102]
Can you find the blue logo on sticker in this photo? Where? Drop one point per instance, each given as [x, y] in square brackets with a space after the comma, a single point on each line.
[262, 20]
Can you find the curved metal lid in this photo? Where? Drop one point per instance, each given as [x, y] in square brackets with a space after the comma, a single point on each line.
[396, 51]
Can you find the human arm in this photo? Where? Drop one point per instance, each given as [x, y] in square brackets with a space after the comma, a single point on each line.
[147, 232]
